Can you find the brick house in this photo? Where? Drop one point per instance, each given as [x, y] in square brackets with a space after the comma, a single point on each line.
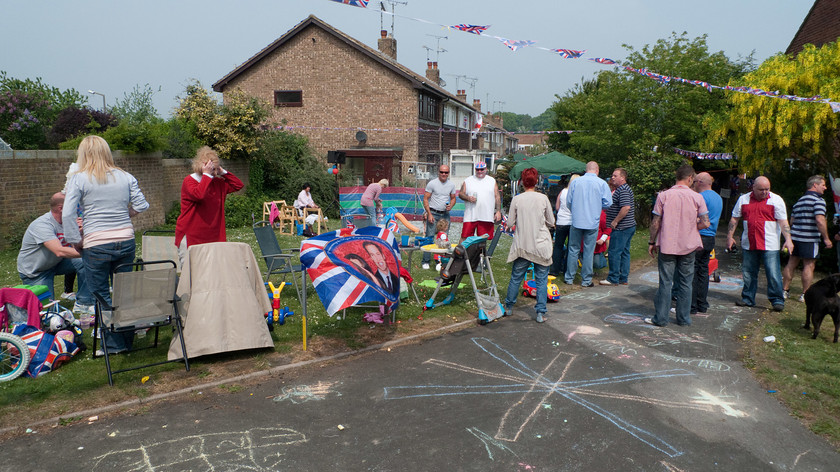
[348, 97]
[820, 26]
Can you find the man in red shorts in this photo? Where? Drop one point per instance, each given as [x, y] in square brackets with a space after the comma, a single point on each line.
[481, 197]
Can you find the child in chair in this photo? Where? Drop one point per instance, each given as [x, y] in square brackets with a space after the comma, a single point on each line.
[441, 239]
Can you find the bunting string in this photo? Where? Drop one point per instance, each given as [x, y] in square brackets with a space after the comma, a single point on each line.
[514, 45]
[409, 130]
[717, 156]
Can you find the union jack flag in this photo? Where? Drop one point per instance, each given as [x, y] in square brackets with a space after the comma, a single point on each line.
[602, 60]
[474, 29]
[338, 287]
[569, 53]
[354, 3]
[516, 44]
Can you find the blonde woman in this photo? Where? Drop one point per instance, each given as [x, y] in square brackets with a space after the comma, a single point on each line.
[371, 201]
[108, 197]
[203, 194]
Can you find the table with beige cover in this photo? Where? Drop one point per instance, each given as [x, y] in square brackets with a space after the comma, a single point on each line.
[223, 301]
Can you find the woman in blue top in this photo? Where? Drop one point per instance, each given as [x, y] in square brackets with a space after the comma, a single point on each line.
[109, 197]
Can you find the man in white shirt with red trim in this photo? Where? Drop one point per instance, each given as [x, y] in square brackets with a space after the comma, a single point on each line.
[765, 222]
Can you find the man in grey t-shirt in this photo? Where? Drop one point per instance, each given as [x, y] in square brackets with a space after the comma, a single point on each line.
[438, 199]
[44, 254]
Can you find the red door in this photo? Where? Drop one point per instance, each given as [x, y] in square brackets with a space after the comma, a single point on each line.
[378, 168]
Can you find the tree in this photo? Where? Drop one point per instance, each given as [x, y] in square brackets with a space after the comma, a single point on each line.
[28, 109]
[72, 122]
[764, 131]
[232, 128]
[620, 113]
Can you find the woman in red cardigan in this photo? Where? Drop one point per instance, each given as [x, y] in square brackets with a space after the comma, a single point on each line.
[203, 194]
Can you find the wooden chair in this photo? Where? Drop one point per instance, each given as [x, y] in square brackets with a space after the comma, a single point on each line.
[291, 217]
[281, 222]
[315, 211]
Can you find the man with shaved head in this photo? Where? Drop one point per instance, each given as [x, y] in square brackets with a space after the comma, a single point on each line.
[765, 222]
[700, 290]
[587, 196]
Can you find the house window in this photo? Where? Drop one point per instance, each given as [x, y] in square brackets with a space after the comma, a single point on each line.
[428, 107]
[288, 98]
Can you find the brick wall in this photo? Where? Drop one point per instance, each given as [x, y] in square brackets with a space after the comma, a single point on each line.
[30, 178]
[343, 89]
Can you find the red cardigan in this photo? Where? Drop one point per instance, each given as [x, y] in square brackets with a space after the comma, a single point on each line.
[202, 217]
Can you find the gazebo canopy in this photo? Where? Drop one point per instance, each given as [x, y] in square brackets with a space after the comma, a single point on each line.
[547, 164]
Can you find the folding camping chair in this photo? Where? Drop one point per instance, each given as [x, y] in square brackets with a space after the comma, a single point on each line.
[467, 256]
[141, 299]
[277, 261]
[159, 245]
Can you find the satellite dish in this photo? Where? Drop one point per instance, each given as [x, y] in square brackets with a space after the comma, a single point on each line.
[442, 83]
[361, 136]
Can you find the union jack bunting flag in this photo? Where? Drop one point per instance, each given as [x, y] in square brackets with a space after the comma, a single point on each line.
[516, 44]
[569, 53]
[346, 271]
[474, 29]
[354, 3]
[602, 60]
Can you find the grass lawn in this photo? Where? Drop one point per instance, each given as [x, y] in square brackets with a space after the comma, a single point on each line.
[803, 372]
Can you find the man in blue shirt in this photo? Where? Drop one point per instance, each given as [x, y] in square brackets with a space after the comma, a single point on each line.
[700, 289]
[587, 197]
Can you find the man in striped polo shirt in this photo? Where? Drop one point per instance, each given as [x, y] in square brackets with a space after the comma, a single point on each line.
[807, 226]
[622, 219]
[765, 221]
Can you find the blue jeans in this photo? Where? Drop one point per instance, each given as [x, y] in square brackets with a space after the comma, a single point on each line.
[558, 256]
[668, 265]
[66, 266]
[100, 262]
[773, 270]
[517, 274]
[432, 231]
[620, 255]
[576, 235]
[371, 212]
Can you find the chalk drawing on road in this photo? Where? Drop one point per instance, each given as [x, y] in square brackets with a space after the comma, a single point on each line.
[489, 442]
[729, 323]
[606, 346]
[257, 449]
[662, 336]
[305, 393]
[590, 295]
[706, 398]
[705, 364]
[535, 388]
[726, 308]
[583, 330]
[628, 319]
[727, 284]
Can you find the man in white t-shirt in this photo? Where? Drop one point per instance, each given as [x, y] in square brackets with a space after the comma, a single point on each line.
[481, 196]
[44, 254]
[438, 200]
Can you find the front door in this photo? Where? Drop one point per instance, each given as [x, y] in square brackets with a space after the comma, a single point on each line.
[378, 168]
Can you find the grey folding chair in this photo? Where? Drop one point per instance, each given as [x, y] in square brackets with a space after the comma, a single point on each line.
[159, 245]
[277, 260]
[142, 299]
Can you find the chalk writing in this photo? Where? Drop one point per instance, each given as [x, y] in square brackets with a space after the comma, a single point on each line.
[726, 308]
[665, 336]
[612, 346]
[587, 295]
[706, 398]
[257, 449]
[304, 393]
[628, 319]
[729, 323]
[488, 441]
[533, 389]
[706, 364]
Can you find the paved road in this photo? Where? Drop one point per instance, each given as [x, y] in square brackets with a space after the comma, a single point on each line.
[593, 388]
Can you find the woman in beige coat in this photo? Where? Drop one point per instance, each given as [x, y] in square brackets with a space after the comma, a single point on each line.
[530, 212]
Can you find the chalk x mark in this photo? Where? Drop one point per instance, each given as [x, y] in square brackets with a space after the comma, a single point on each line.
[536, 387]
[489, 441]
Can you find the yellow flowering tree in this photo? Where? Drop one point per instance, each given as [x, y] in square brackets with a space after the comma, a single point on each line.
[764, 131]
[232, 128]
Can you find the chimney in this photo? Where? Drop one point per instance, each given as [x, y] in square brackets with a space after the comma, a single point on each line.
[432, 72]
[477, 104]
[462, 95]
[387, 45]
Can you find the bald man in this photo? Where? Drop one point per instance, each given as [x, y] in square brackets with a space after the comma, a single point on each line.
[44, 254]
[700, 290]
[765, 222]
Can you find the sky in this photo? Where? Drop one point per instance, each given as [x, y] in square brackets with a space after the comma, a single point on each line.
[111, 46]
